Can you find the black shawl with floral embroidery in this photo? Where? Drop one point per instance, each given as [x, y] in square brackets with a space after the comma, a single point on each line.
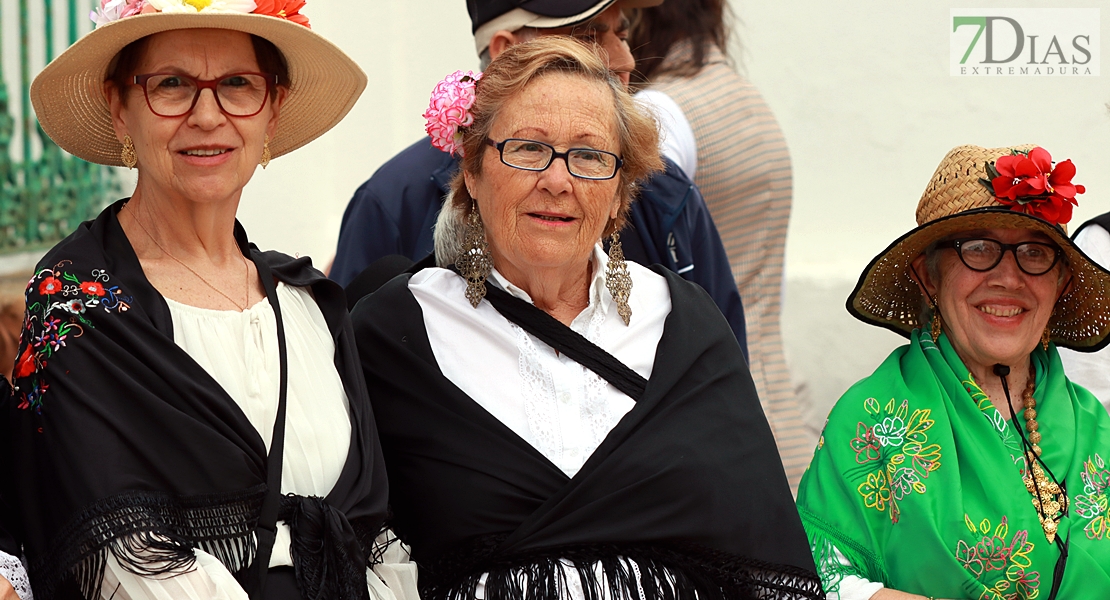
[120, 442]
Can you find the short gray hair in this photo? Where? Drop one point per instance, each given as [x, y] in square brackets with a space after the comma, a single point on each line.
[449, 232]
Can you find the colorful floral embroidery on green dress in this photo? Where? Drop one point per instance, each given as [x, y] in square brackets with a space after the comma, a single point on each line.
[999, 561]
[894, 454]
[1006, 433]
[1093, 504]
[57, 305]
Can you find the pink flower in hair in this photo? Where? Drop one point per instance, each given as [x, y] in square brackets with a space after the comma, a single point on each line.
[449, 110]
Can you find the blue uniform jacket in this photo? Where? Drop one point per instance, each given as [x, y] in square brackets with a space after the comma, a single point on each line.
[395, 211]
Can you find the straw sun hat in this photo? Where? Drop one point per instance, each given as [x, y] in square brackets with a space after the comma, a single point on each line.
[956, 200]
[68, 95]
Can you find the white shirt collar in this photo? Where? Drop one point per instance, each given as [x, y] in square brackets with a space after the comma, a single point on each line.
[600, 298]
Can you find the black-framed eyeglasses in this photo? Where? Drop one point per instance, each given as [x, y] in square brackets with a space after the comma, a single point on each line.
[237, 94]
[584, 163]
[984, 254]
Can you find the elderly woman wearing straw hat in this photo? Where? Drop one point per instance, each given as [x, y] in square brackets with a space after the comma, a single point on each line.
[967, 465]
[188, 417]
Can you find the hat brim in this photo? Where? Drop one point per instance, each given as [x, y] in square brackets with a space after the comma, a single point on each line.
[887, 295]
[68, 95]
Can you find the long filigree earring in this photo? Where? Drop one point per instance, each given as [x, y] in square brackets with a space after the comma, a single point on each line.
[617, 279]
[265, 160]
[127, 154]
[935, 325]
[474, 261]
[1045, 338]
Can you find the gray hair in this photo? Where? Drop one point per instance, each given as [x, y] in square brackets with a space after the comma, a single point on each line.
[449, 232]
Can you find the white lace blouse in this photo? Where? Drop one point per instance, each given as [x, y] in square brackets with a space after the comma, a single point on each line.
[558, 406]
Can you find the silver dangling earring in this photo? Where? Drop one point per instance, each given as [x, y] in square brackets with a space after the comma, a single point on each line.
[474, 262]
[617, 279]
[265, 160]
[127, 154]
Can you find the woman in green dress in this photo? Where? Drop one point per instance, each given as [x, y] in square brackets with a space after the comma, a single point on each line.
[967, 465]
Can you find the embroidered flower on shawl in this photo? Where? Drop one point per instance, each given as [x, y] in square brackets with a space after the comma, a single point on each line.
[865, 443]
[449, 110]
[875, 491]
[899, 439]
[51, 322]
[26, 365]
[92, 288]
[76, 307]
[904, 481]
[1094, 503]
[891, 432]
[50, 286]
[1001, 567]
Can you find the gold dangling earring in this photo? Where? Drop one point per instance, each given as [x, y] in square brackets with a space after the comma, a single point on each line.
[617, 279]
[1045, 337]
[265, 160]
[474, 261]
[935, 325]
[127, 154]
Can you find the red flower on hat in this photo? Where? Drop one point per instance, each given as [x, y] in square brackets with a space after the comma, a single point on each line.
[283, 9]
[1028, 183]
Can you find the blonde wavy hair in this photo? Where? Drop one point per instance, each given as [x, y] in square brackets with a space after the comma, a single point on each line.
[507, 76]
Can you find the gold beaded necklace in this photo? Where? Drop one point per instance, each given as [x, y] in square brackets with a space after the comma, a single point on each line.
[1048, 497]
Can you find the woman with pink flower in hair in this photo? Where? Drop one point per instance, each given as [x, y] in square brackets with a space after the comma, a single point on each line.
[187, 417]
[969, 465]
[558, 423]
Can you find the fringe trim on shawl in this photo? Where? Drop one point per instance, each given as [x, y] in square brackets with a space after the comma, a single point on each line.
[329, 558]
[676, 571]
[150, 534]
[823, 537]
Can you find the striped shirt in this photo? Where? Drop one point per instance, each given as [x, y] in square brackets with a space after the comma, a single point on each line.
[744, 172]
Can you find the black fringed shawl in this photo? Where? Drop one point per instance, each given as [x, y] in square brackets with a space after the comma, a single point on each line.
[688, 485]
[121, 443]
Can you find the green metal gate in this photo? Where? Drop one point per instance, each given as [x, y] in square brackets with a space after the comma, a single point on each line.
[44, 191]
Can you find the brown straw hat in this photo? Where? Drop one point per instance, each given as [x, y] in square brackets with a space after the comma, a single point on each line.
[69, 99]
[956, 200]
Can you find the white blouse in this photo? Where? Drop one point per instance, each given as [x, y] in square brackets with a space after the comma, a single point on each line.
[561, 408]
[558, 406]
[239, 350]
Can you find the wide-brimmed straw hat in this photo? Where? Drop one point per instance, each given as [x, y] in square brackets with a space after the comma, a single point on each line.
[68, 95]
[957, 200]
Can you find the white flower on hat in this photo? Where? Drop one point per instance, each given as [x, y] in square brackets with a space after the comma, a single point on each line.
[202, 6]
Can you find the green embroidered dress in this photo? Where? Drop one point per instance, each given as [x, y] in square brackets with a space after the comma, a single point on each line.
[916, 481]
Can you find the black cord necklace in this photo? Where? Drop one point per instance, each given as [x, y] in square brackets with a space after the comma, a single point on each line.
[1049, 494]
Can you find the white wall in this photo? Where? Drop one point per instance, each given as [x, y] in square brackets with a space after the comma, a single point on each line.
[405, 47]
